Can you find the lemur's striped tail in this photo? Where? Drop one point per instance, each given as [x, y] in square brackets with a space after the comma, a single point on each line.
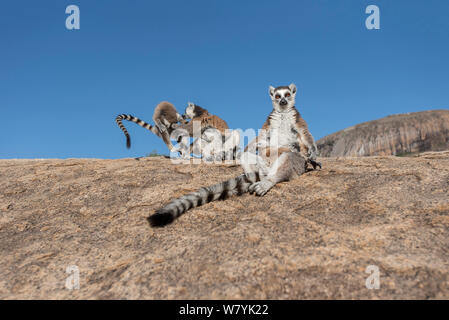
[220, 191]
[133, 119]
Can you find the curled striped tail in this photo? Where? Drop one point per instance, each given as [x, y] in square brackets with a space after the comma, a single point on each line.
[129, 117]
[220, 191]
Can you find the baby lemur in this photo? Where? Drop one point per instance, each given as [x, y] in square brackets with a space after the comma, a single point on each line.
[277, 157]
[215, 140]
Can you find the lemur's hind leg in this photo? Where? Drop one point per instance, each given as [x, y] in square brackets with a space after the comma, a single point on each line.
[165, 128]
[162, 125]
[289, 165]
[254, 166]
[166, 138]
[162, 131]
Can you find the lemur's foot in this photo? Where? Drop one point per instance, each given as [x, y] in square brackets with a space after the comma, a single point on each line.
[314, 163]
[220, 156]
[179, 152]
[184, 156]
[260, 188]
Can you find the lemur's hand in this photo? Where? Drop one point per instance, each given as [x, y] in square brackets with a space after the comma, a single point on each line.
[162, 128]
[315, 164]
[311, 158]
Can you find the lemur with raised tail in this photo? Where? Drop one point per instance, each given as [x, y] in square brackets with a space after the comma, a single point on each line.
[277, 157]
[165, 118]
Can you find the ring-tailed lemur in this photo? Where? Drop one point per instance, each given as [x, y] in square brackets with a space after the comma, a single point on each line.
[283, 119]
[278, 159]
[215, 141]
[165, 118]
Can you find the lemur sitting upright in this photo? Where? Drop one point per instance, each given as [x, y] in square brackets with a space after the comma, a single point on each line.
[278, 159]
[285, 126]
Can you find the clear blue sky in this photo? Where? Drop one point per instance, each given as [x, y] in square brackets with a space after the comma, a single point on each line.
[60, 90]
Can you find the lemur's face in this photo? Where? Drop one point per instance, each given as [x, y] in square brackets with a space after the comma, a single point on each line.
[189, 112]
[283, 98]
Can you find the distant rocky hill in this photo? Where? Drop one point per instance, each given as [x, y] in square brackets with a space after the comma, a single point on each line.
[399, 134]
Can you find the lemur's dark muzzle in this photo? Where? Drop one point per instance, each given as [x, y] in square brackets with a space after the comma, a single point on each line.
[283, 102]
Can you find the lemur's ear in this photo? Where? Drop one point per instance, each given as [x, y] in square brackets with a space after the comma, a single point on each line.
[190, 108]
[292, 88]
[271, 90]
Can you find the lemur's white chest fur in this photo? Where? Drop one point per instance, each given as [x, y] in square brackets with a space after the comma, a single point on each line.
[282, 131]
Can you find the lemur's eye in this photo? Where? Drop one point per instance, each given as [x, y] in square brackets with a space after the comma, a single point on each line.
[278, 96]
[287, 94]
